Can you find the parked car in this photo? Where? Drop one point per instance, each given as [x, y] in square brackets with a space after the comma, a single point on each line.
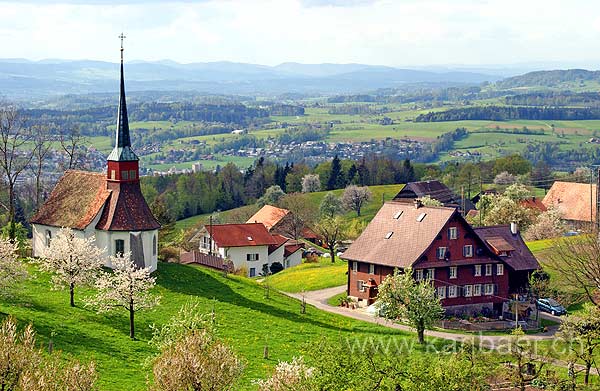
[551, 306]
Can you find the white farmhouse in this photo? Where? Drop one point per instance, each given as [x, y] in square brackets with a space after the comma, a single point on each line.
[107, 206]
[247, 245]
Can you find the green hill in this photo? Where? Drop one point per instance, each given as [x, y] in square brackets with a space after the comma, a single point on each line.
[244, 318]
[380, 193]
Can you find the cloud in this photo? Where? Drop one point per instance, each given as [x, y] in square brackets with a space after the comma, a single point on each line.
[387, 32]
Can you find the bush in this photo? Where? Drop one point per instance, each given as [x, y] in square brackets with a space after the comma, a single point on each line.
[169, 254]
[276, 267]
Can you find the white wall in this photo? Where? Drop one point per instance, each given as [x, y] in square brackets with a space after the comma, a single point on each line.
[293, 260]
[237, 255]
[104, 240]
[277, 255]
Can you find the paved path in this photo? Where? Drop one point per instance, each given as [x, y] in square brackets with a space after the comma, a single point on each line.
[319, 299]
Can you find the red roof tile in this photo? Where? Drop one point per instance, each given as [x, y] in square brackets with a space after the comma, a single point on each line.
[75, 201]
[127, 210]
[291, 249]
[574, 201]
[534, 203]
[268, 215]
[241, 235]
[520, 257]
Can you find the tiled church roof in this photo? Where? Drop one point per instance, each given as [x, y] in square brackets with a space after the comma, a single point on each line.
[75, 201]
[127, 210]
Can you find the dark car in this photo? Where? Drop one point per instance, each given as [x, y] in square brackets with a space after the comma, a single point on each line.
[551, 306]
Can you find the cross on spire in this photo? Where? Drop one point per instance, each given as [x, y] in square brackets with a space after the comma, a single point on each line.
[122, 37]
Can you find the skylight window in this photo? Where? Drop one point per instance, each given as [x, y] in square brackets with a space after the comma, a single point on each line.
[389, 235]
[421, 217]
[249, 237]
[398, 214]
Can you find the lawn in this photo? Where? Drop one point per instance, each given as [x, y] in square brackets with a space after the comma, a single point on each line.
[244, 318]
[310, 276]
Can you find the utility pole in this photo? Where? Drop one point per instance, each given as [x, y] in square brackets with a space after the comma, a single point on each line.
[591, 195]
[210, 219]
[598, 200]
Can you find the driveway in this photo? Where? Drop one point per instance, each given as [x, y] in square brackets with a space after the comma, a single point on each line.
[319, 299]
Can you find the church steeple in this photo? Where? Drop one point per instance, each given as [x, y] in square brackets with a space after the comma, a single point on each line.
[122, 151]
[123, 163]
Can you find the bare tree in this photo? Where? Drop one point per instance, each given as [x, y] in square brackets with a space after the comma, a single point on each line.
[355, 197]
[13, 155]
[42, 144]
[71, 143]
[577, 260]
[333, 231]
[302, 214]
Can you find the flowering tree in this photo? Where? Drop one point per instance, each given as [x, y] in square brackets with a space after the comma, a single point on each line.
[73, 261]
[505, 178]
[197, 361]
[547, 225]
[311, 183]
[428, 201]
[11, 269]
[127, 287]
[295, 375]
[402, 297]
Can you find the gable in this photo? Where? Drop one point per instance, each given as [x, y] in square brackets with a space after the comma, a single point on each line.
[574, 201]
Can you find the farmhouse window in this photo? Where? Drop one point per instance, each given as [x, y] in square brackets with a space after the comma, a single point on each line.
[431, 274]
[477, 290]
[489, 289]
[453, 273]
[441, 292]
[354, 266]
[205, 242]
[361, 286]
[453, 233]
[419, 274]
[441, 252]
[477, 270]
[119, 247]
[468, 290]
[371, 269]
[252, 257]
[488, 269]
[468, 251]
[452, 291]
[124, 175]
[500, 269]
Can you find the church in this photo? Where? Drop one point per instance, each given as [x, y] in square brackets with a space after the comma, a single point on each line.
[107, 206]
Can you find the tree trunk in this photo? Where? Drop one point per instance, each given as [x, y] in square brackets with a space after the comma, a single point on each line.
[421, 334]
[332, 253]
[586, 379]
[11, 211]
[131, 320]
[72, 294]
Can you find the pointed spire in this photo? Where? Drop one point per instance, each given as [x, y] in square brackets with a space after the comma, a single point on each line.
[122, 150]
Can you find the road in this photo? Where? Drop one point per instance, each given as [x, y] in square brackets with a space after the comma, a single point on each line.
[319, 299]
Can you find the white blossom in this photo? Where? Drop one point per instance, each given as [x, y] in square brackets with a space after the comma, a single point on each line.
[128, 287]
[293, 375]
[72, 260]
[11, 268]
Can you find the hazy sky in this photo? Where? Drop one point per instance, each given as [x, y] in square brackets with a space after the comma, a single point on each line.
[388, 32]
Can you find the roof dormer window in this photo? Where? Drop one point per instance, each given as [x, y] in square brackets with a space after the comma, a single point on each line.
[250, 238]
[398, 214]
[389, 234]
[421, 217]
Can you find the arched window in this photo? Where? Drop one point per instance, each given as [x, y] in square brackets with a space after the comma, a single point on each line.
[154, 245]
[48, 237]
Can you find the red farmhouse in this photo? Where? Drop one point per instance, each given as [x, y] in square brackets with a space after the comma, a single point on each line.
[472, 268]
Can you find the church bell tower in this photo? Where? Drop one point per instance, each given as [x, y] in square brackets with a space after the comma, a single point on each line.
[123, 163]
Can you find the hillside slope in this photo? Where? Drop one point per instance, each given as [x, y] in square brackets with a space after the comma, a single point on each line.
[244, 318]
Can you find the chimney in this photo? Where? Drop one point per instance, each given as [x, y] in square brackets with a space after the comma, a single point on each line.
[514, 228]
[418, 203]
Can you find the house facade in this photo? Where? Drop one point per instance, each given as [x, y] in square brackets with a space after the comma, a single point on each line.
[439, 246]
[248, 246]
[107, 206]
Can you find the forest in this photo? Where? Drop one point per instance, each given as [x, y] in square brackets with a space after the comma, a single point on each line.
[506, 113]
